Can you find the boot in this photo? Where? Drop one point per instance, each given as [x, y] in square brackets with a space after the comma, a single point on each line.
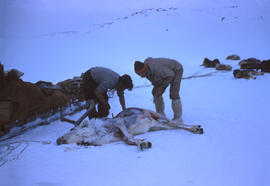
[159, 103]
[177, 110]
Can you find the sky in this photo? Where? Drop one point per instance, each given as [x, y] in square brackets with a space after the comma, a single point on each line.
[56, 40]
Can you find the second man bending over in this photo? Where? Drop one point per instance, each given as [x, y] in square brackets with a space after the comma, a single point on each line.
[163, 72]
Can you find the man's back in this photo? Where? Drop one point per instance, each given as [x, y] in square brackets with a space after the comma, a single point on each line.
[161, 69]
[105, 78]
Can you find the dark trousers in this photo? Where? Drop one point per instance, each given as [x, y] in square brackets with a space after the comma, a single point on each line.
[89, 87]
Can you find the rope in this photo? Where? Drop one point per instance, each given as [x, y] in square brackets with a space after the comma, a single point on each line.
[188, 77]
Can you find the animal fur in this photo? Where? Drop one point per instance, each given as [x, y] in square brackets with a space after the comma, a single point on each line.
[124, 126]
[246, 74]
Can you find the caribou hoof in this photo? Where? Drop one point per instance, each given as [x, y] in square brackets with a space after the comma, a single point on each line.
[83, 143]
[145, 145]
[197, 130]
[61, 141]
[201, 131]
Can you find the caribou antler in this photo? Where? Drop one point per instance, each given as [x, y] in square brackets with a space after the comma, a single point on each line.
[89, 110]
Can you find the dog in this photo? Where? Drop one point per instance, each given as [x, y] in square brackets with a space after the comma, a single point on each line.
[223, 67]
[210, 64]
[127, 124]
[246, 74]
[265, 66]
[249, 64]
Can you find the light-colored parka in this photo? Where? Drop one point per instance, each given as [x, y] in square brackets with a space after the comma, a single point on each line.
[162, 72]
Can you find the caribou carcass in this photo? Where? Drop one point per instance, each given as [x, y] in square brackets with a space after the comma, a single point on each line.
[127, 124]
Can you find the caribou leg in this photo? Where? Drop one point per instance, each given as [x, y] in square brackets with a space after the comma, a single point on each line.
[191, 128]
[89, 110]
[184, 125]
[172, 123]
[130, 140]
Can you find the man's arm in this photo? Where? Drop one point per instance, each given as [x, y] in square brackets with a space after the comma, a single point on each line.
[161, 80]
[158, 91]
[122, 102]
[160, 86]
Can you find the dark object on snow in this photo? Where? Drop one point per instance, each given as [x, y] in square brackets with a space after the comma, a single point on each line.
[16, 73]
[210, 64]
[44, 84]
[57, 100]
[19, 100]
[233, 57]
[56, 97]
[241, 74]
[2, 76]
[223, 67]
[22, 102]
[265, 66]
[48, 88]
[246, 74]
[6, 108]
[73, 88]
[250, 63]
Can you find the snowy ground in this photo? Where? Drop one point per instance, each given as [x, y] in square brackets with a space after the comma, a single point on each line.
[235, 148]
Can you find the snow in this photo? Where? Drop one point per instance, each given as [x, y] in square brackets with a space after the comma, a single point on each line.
[235, 148]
